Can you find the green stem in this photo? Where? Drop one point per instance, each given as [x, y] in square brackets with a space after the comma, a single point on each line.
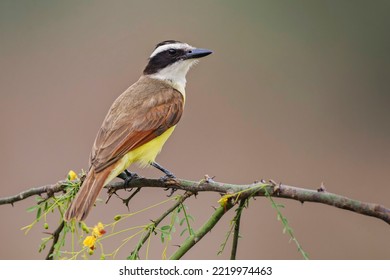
[286, 226]
[198, 235]
[237, 220]
[186, 217]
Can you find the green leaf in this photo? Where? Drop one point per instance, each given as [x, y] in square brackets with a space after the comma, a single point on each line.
[190, 218]
[32, 208]
[165, 229]
[162, 238]
[39, 212]
[183, 231]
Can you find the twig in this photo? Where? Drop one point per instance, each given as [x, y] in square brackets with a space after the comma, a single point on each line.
[56, 236]
[286, 227]
[236, 234]
[48, 189]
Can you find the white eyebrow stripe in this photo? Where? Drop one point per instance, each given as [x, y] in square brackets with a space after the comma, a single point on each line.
[170, 46]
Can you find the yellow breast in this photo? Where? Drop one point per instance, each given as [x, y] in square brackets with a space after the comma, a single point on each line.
[142, 155]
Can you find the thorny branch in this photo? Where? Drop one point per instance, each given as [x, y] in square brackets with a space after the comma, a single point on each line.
[208, 185]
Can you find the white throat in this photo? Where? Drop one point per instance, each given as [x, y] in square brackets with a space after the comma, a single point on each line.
[175, 74]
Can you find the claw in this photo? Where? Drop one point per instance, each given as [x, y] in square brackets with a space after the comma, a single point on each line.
[172, 191]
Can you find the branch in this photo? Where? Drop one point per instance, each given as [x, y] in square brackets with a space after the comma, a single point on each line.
[208, 185]
[48, 189]
[273, 189]
[56, 236]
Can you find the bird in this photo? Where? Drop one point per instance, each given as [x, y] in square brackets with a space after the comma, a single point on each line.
[138, 123]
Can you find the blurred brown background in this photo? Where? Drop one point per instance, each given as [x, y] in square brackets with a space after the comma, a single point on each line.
[296, 91]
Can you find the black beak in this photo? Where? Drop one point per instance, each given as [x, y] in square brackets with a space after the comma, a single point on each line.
[197, 53]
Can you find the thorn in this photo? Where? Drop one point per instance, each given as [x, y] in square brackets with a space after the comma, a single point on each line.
[321, 188]
[272, 182]
[127, 200]
[209, 179]
[109, 197]
[195, 194]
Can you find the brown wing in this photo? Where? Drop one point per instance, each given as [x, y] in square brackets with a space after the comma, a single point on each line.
[146, 110]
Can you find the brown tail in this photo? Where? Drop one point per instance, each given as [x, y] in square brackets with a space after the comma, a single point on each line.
[87, 195]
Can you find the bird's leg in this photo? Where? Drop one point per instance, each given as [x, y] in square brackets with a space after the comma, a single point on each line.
[127, 176]
[168, 175]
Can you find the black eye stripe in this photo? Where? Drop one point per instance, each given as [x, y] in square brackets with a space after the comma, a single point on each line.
[173, 53]
[164, 59]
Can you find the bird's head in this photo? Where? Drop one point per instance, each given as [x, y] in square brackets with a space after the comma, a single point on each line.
[171, 60]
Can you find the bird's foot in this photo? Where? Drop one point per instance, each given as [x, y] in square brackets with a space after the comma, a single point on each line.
[168, 174]
[128, 176]
[167, 177]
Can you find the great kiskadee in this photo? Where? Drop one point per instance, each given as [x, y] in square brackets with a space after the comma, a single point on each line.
[139, 122]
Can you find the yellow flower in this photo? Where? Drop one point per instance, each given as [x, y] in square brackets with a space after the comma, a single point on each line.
[72, 175]
[89, 241]
[98, 230]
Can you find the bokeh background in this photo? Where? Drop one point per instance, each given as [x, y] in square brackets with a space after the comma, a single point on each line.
[296, 91]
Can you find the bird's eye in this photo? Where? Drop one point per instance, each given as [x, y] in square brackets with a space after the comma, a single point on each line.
[171, 51]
